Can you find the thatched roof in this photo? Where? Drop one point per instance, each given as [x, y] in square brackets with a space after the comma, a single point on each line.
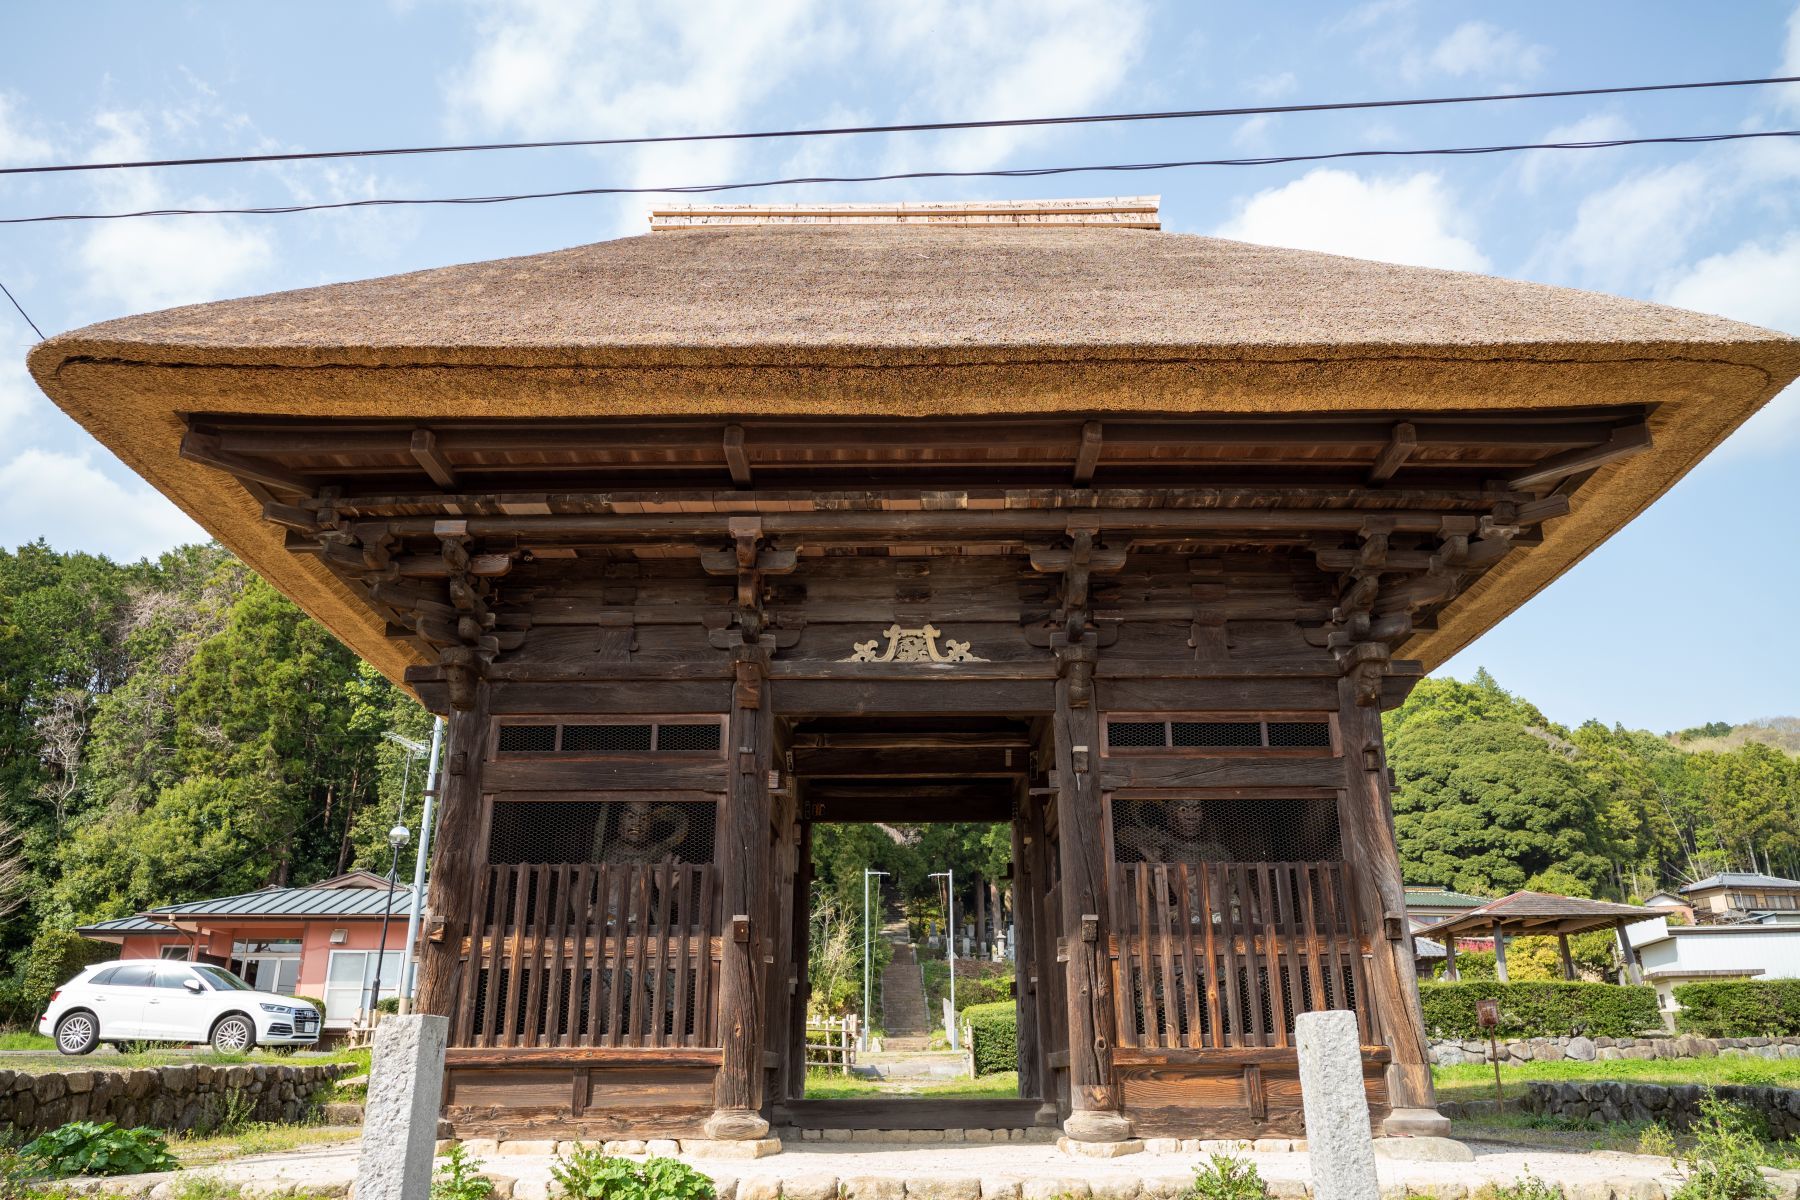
[905, 320]
[1539, 913]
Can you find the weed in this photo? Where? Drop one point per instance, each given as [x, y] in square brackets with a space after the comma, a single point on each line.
[590, 1174]
[460, 1178]
[1656, 1140]
[1727, 1157]
[1526, 1187]
[97, 1148]
[1226, 1177]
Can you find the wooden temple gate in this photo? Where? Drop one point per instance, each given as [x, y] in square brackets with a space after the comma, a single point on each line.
[1166, 524]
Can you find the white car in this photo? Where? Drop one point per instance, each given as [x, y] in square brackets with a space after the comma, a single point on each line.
[150, 1000]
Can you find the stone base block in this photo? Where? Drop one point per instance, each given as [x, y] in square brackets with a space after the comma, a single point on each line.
[1423, 1149]
[1100, 1149]
[1097, 1125]
[525, 1146]
[1416, 1122]
[743, 1148]
[736, 1125]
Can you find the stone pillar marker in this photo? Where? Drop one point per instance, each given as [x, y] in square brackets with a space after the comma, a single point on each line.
[1338, 1141]
[406, 1080]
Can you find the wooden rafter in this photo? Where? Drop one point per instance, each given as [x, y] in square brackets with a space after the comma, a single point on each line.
[1623, 443]
[425, 452]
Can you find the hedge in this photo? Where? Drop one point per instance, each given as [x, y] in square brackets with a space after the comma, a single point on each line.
[993, 1036]
[1739, 1008]
[1540, 1009]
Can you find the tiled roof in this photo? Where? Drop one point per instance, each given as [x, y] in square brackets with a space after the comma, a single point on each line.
[1440, 897]
[120, 925]
[1740, 879]
[295, 902]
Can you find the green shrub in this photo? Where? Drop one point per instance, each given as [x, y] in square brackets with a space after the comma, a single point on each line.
[97, 1148]
[1526, 1187]
[387, 1004]
[1739, 1008]
[460, 1178]
[1727, 1158]
[589, 1173]
[977, 982]
[1226, 1177]
[1540, 1009]
[993, 1036]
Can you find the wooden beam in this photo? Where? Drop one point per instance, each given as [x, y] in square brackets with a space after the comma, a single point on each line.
[1499, 952]
[1399, 448]
[425, 452]
[1088, 456]
[735, 458]
[1624, 442]
[203, 448]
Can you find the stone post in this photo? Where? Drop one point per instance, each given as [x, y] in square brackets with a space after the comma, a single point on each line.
[406, 1080]
[1338, 1140]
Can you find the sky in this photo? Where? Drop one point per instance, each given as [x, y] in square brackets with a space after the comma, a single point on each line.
[1686, 616]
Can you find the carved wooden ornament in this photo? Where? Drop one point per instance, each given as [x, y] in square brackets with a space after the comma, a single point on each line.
[911, 645]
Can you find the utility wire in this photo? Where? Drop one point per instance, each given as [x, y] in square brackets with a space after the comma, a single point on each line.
[22, 312]
[921, 127]
[998, 173]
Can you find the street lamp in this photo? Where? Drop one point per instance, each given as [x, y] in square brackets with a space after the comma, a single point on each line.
[868, 979]
[408, 974]
[398, 836]
[949, 878]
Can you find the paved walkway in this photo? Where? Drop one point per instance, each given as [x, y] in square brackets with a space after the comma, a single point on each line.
[1013, 1171]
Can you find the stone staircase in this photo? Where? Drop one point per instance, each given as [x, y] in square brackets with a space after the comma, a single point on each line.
[903, 1013]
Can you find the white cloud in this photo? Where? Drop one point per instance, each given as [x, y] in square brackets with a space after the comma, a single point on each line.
[1374, 12]
[1411, 219]
[1274, 86]
[1253, 132]
[69, 502]
[164, 261]
[1632, 232]
[19, 395]
[1758, 283]
[1481, 48]
[17, 147]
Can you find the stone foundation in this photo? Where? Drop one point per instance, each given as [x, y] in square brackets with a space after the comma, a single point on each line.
[1450, 1052]
[1674, 1105]
[176, 1099]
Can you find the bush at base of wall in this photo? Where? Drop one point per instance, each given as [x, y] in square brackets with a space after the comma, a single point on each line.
[993, 1036]
[1739, 1008]
[1535, 1009]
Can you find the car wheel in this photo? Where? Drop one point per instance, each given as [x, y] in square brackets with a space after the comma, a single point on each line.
[78, 1032]
[233, 1035]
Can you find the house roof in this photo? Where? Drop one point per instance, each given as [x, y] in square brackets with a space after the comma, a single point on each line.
[1440, 897]
[1542, 912]
[293, 902]
[909, 320]
[120, 926]
[1730, 879]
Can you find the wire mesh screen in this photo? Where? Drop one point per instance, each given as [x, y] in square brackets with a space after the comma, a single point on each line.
[526, 739]
[1229, 955]
[613, 737]
[1130, 735]
[1299, 734]
[602, 831]
[586, 954]
[606, 739]
[679, 737]
[1193, 830]
[1215, 733]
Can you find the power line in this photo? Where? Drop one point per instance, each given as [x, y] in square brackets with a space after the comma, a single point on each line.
[918, 127]
[22, 312]
[998, 173]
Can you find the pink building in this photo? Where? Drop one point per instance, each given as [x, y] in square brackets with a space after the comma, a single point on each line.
[320, 941]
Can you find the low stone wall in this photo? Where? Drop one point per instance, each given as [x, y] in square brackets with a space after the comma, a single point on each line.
[1450, 1052]
[190, 1096]
[1674, 1105]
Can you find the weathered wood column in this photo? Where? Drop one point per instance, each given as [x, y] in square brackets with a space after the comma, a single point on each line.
[1367, 819]
[1024, 884]
[1094, 1099]
[743, 854]
[451, 897]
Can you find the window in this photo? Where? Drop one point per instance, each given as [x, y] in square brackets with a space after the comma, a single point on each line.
[704, 735]
[348, 976]
[173, 977]
[134, 975]
[1210, 734]
[272, 966]
[175, 953]
[103, 978]
[221, 979]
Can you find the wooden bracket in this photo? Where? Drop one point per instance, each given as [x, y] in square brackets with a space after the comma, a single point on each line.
[740, 928]
[1394, 928]
[1090, 927]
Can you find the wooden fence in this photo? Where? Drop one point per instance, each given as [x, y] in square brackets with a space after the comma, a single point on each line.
[831, 1044]
[1217, 955]
[584, 954]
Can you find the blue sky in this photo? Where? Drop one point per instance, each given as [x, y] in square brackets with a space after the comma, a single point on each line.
[1686, 616]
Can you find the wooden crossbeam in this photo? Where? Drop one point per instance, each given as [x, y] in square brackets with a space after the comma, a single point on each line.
[1399, 448]
[1624, 442]
[203, 448]
[425, 452]
[735, 458]
[1088, 456]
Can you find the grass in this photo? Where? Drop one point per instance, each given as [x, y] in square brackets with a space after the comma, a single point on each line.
[1475, 1081]
[22, 1039]
[824, 1085]
[260, 1138]
[141, 1055]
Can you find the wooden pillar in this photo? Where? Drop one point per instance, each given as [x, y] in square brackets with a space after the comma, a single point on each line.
[980, 915]
[1024, 883]
[454, 868]
[1094, 1101]
[1050, 1018]
[1562, 944]
[996, 915]
[1499, 952]
[1634, 970]
[1450, 960]
[743, 852]
[1366, 817]
[800, 959]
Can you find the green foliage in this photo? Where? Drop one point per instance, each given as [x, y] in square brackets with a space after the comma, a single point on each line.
[460, 1177]
[97, 1148]
[1526, 1187]
[1657, 1141]
[977, 982]
[993, 1036]
[588, 1172]
[1226, 1177]
[1540, 1009]
[1739, 1008]
[1726, 1160]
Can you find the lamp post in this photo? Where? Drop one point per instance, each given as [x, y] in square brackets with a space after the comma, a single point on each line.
[949, 878]
[408, 975]
[862, 1042]
[398, 836]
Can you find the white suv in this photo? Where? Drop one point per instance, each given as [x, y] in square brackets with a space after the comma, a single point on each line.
[147, 1000]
